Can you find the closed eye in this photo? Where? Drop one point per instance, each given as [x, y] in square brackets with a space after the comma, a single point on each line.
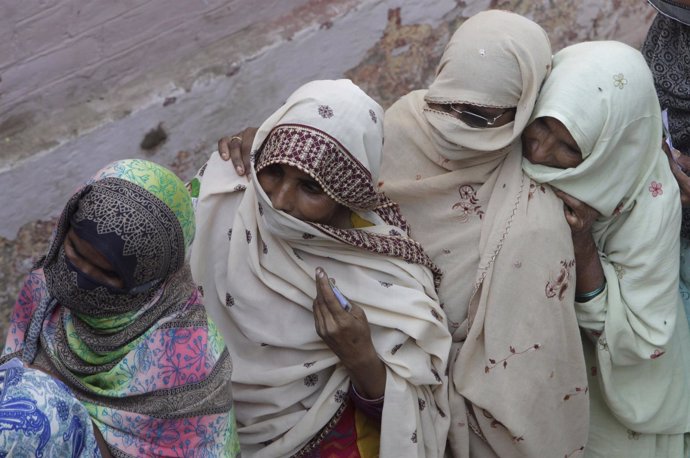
[311, 186]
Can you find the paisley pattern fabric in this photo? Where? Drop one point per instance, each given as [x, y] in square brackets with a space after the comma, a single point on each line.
[147, 363]
[40, 417]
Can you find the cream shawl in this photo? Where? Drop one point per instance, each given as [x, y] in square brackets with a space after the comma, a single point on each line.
[516, 368]
[604, 94]
[259, 285]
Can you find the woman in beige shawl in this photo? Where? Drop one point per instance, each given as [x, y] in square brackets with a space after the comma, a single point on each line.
[300, 360]
[596, 136]
[452, 161]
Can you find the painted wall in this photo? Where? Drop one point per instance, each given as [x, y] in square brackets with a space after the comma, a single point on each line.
[82, 82]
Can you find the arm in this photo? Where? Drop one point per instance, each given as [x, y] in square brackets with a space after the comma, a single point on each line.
[348, 335]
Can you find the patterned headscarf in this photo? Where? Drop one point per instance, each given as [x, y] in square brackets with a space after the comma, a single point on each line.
[667, 51]
[145, 360]
[257, 264]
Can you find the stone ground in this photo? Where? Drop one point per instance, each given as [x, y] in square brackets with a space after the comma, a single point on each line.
[403, 59]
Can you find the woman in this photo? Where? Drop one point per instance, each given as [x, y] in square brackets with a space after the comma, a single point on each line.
[595, 137]
[112, 312]
[452, 161]
[316, 375]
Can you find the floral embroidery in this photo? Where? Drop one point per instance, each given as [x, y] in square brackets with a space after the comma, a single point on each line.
[504, 362]
[240, 187]
[309, 364]
[340, 396]
[396, 348]
[619, 81]
[578, 390]
[325, 111]
[385, 284]
[203, 169]
[558, 287]
[230, 234]
[372, 114]
[311, 379]
[414, 437]
[438, 377]
[261, 209]
[297, 255]
[422, 404]
[201, 290]
[418, 177]
[445, 251]
[306, 236]
[655, 189]
[468, 203]
[265, 247]
[249, 236]
[620, 271]
[441, 412]
[436, 315]
[632, 435]
[657, 353]
[229, 300]
[603, 344]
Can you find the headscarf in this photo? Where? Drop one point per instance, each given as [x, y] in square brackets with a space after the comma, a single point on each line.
[144, 360]
[667, 51]
[604, 95]
[501, 242]
[289, 387]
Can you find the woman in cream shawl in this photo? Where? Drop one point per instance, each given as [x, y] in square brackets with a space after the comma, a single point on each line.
[517, 376]
[624, 209]
[256, 263]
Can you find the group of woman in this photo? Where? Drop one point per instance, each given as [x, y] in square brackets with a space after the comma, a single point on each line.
[499, 278]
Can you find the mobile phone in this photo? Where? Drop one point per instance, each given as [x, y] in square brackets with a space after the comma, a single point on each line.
[344, 303]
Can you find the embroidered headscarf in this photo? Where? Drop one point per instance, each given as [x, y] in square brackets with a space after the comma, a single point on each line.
[501, 242]
[257, 267]
[667, 51]
[604, 95]
[143, 359]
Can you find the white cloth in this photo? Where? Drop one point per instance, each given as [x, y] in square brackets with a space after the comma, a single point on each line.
[638, 356]
[259, 286]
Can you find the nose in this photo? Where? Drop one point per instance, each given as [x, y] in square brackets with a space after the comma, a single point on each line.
[537, 144]
[282, 197]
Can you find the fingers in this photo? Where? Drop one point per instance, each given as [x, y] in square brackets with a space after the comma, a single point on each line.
[224, 148]
[236, 154]
[325, 293]
[248, 136]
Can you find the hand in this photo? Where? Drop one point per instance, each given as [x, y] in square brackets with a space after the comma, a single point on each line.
[679, 164]
[238, 148]
[348, 335]
[578, 214]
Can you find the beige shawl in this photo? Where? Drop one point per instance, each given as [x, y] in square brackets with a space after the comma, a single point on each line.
[639, 344]
[516, 368]
[259, 286]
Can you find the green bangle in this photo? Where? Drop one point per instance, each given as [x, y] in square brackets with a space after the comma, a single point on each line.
[586, 297]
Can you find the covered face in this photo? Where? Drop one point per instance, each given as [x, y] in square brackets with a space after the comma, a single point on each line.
[327, 139]
[602, 94]
[496, 60]
[119, 238]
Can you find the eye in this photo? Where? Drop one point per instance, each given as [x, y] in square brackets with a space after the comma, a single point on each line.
[312, 187]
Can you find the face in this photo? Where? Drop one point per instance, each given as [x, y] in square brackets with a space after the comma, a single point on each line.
[546, 141]
[87, 259]
[300, 196]
[466, 113]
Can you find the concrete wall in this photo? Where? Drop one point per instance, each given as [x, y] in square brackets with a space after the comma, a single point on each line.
[82, 82]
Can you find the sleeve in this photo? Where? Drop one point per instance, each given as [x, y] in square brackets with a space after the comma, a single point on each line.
[638, 325]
